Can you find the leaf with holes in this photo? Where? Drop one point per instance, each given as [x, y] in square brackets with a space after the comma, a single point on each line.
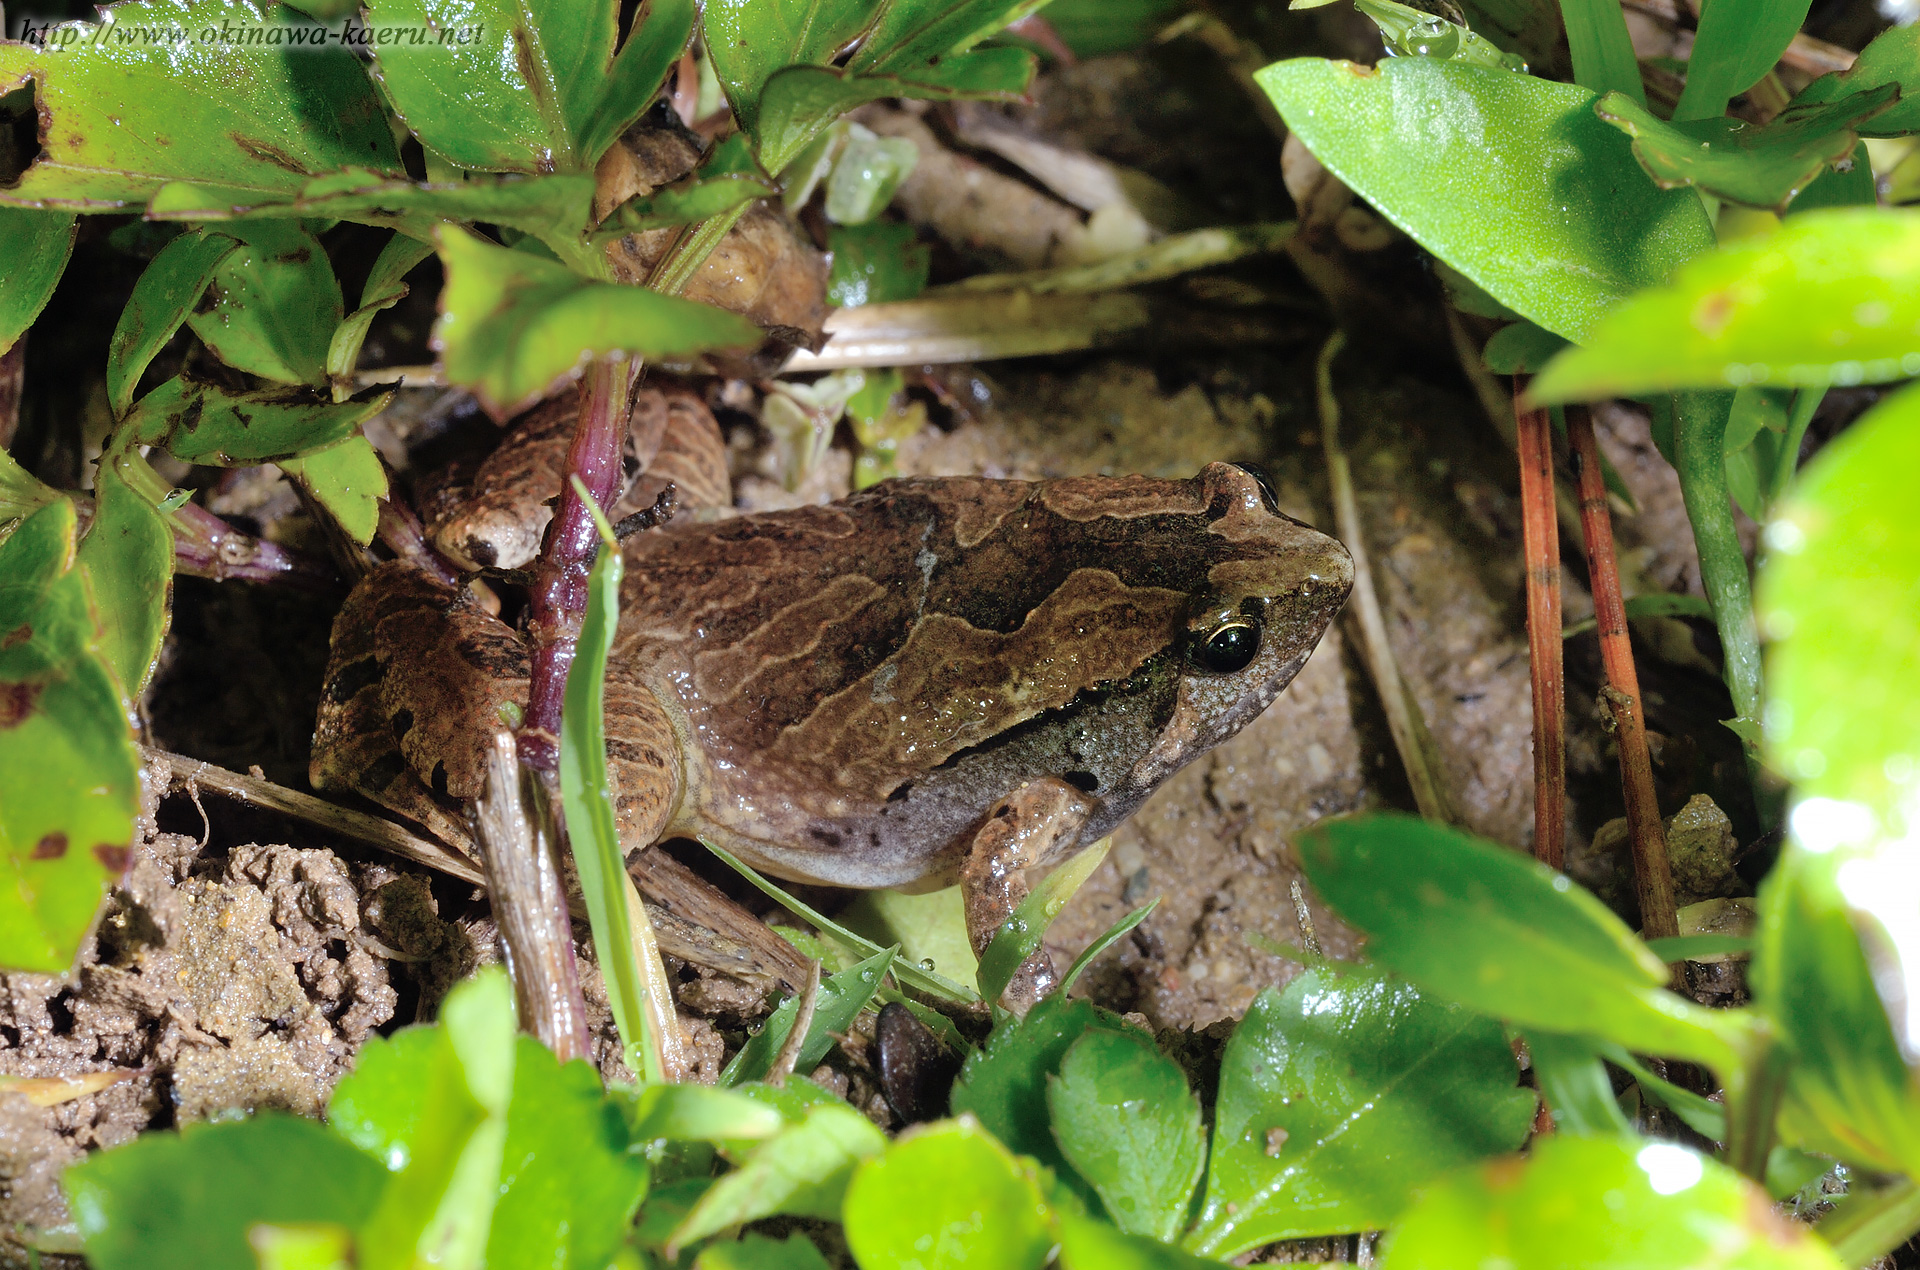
[204, 423]
[272, 306]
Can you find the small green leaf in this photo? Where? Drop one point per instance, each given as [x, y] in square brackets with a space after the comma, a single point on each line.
[1342, 1096]
[1602, 48]
[1590, 1202]
[802, 101]
[128, 554]
[34, 246]
[1829, 298]
[876, 264]
[185, 1201]
[1520, 348]
[659, 35]
[1410, 32]
[802, 1171]
[69, 777]
[1737, 162]
[1511, 180]
[348, 479]
[204, 423]
[697, 1113]
[1095, 28]
[1021, 935]
[1087, 1244]
[384, 289]
[757, 1252]
[141, 99]
[1892, 58]
[1506, 936]
[1732, 49]
[513, 326]
[870, 168]
[838, 1003]
[302, 1246]
[1125, 1119]
[21, 495]
[947, 1196]
[1574, 1084]
[161, 301]
[274, 304]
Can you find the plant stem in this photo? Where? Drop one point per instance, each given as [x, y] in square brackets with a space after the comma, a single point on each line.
[1540, 545]
[690, 251]
[205, 546]
[1805, 403]
[1651, 872]
[1699, 443]
[1410, 735]
[1867, 1225]
[559, 593]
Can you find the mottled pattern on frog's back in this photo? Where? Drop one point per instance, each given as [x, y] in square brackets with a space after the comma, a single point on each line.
[840, 655]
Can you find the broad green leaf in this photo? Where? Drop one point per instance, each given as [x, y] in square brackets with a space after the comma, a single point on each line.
[802, 1171]
[801, 101]
[69, 777]
[1892, 58]
[752, 40]
[1504, 935]
[1737, 162]
[348, 479]
[1520, 348]
[757, 1252]
[839, 1002]
[1342, 1096]
[1574, 1084]
[930, 927]
[513, 326]
[204, 423]
[161, 301]
[1831, 297]
[1853, 187]
[876, 264]
[34, 246]
[1839, 595]
[947, 1195]
[1734, 46]
[384, 289]
[274, 304]
[660, 33]
[569, 1182]
[1021, 935]
[1004, 1083]
[1087, 1244]
[135, 102]
[128, 555]
[431, 1104]
[1512, 181]
[1593, 1203]
[1601, 48]
[1125, 1119]
[185, 1201]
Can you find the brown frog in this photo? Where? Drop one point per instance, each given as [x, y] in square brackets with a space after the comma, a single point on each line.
[933, 681]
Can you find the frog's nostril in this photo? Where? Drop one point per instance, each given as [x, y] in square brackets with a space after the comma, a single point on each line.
[1085, 782]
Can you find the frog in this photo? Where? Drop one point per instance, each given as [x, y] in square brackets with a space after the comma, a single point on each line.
[931, 682]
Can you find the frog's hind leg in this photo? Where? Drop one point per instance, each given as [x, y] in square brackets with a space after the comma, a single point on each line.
[1031, 826]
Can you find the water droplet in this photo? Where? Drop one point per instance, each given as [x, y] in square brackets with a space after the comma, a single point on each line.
[926, 963]
[1432, 37]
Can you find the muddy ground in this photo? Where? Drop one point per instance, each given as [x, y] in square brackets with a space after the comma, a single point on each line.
[245, 957]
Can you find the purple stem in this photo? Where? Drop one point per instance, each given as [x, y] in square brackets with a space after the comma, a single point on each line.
[559, 596]
[208, 547]
[404, 535]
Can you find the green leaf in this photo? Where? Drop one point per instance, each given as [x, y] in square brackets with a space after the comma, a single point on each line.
[802, 1171]
[513, 327]
[1086, 1244]
[131, 104]
[431, 1104]
[69, 777]
[1574, 1084]
[185, 1201]
[384, 289]
[757, 1252]
[348, 479]
[1410, 32]
[839, 1001]
[1602, 49]
[1021, 935]
[1601, 1202]
[1737, 162]
[1892, 58]
[34, 247]
[1733, 47]
[1342, 1096]
[128, 554]
[505, 86]
[1004, 1083]
[1125, 1119]
[870, 168]
[928, 927]
[697, 1113]
[588, 802]
[161, 301]
[909, 34]
[1506, 936]
[21, 495]
[876, 264]
[302, 1246]
[1511, 180]
[1839, 595]
[273, 305]
[1095, 28]
[204, 423]
[1835, 188]
[947, 1195]
[1831, 297]
[1520, 348]
[569, 1182]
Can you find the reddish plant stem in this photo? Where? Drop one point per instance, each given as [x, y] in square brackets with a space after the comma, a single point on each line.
[1651, 872]
[206, 546]
[1540, 534]
[559, 595]
[406, 537]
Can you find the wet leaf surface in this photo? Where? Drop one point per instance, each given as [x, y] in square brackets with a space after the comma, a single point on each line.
[1513, 181]
[876, 264]
[161, 300]
[128, 554]
[947, 1195]
[272, 305]
[348, 479]
[203, 423]
[1125, 1119]
[1342, 1096]
[34, 246]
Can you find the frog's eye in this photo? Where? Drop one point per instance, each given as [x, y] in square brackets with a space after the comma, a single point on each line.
[1228, 647]
[1265, 482]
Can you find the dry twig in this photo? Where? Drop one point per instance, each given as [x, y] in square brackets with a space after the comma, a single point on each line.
[1540, 534]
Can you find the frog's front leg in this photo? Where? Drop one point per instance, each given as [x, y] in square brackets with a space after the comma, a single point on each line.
[1028, 827]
